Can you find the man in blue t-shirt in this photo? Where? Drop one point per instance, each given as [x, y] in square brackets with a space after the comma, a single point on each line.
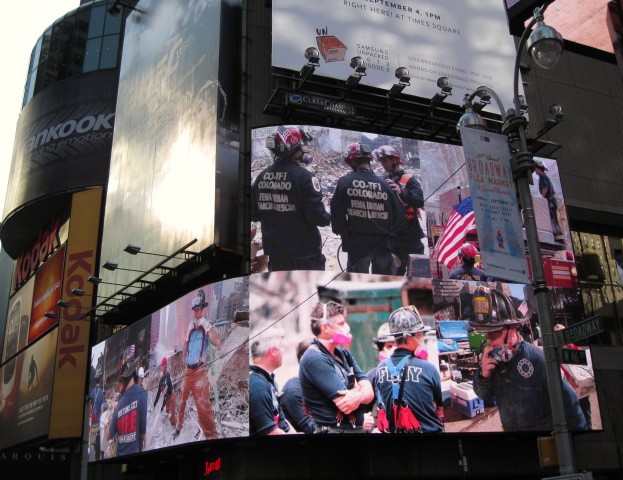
[334, 388]
[96, 399]
[129, 420]
[199, 335]
[265, 414]
[291, 399]
[421, 389]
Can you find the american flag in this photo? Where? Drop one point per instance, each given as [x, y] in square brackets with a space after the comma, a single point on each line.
[460, 222]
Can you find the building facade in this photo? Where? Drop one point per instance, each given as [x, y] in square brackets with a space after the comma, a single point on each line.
[144, 125]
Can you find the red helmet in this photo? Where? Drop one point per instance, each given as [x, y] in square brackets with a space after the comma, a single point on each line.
[287, 140]
[357, 152]
[164, 361]
[388, 151]
[468, 251]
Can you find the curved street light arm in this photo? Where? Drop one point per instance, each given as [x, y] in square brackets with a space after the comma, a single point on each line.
[523, 167]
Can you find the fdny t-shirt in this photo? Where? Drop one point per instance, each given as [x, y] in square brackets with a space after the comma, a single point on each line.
[129, 420]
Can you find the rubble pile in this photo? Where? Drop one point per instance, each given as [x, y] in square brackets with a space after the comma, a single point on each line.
[233, 383]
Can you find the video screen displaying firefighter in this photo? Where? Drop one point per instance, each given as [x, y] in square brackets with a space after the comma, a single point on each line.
[372, 354]
[175, 377]
[339, 200]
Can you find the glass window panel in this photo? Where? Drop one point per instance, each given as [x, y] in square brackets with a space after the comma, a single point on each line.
[29, 88]
[92, 54]
[82, 26]
[34, 56]
[110, 46]
[113, 24]
[96, 25]
[588, 302]
[40, 78]
[592, 262]
[46, 38]
[612, 332]
[77, 59]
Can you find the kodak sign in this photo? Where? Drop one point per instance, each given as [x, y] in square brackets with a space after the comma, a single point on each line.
[71, 367]
[48, 240]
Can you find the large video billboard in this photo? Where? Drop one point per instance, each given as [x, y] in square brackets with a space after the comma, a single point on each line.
[312, 339]
[170, 172]
[301, 211]
[468, 42]
[450, 362]
[175, 377]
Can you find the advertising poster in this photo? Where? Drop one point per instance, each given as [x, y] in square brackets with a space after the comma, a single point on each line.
[468, 42]
[73, 342]
[46, 294]
[175, 377]
[18, 321]
[64, 133]
[28, 405]
[291, 333]
[9, 397]
[496, 209]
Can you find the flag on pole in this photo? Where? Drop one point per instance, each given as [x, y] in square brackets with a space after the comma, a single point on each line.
[460, 222]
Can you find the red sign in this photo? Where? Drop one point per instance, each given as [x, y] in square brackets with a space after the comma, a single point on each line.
[211, 467]
[46, 243]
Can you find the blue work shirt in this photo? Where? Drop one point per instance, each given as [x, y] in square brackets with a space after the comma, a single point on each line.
[520, 390]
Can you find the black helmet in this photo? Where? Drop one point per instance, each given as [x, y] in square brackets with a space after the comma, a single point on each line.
[492, 311]
[199, 300]
[406, 321]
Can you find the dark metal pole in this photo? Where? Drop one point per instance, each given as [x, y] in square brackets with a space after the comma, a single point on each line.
[523, 166]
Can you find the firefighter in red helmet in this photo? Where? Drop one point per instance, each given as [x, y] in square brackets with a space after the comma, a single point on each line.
[409, 190]
[467, 270]
[287, 201]
[366, 213]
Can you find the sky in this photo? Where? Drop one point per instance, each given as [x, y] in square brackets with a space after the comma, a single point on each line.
[25, 21]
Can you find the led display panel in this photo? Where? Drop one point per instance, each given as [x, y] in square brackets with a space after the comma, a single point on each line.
[301, 316]
[253, 356]
[178, 376]
[170, 170]
[296, 215]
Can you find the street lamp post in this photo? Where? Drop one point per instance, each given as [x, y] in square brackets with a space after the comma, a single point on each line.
[545, 47]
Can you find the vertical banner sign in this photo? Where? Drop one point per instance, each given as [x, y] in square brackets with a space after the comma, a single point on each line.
[73, 333]
[498, 222]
